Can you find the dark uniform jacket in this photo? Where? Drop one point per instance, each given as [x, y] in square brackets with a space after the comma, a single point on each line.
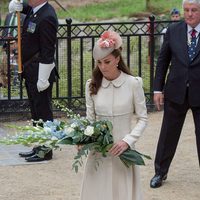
[182, 74]
[38, 41]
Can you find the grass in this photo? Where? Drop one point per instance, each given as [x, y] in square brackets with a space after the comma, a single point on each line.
[118, 9]
[111, 9]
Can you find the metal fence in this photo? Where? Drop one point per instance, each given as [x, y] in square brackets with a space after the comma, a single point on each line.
[141, 44]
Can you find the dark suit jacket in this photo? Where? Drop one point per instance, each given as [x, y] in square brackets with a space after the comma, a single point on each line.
[39, 36]
[180, 72]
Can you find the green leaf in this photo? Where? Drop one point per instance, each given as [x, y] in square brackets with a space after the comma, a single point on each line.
[109, 124]
[133, 156]
[65, 141]
[146, 156]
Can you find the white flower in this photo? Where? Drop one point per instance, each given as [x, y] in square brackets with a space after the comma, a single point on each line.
[73, 125]
[68, 129]
[89, 131]
[54, 138]
[78, 115]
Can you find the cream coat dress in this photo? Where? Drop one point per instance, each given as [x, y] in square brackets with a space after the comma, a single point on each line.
[118, 101]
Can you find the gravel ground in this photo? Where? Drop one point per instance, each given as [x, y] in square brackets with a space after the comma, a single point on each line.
[55, 180]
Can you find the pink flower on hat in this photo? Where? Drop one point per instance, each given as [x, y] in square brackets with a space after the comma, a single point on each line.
[110, 39]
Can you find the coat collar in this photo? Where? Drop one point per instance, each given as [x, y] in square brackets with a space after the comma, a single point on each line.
[116, 82]
[38, 7]
[198, 43]
[184, 41]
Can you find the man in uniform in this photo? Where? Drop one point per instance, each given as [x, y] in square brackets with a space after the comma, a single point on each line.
[38, 49]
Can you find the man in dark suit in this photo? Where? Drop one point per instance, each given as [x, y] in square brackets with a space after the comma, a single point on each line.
[181, 90]
[38, 49]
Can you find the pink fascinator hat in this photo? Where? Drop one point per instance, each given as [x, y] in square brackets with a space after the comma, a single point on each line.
[108, 41]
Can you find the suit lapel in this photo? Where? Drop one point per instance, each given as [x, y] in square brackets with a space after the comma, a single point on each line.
[42, 9]
[183, 41]
[197, 47]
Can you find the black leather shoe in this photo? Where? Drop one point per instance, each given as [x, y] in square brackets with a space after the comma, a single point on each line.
[34, 151]
[36, 158]
[157, 180]
[29, 153]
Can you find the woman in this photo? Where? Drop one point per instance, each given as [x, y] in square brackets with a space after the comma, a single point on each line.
[115, 95]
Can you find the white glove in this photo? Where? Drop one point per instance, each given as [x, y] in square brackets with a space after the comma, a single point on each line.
[43, 76]
[15, 6]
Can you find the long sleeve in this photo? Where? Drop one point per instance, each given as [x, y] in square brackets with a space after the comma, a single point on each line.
[48, 31]
[162, 64]
[141, 114]
[90, 111]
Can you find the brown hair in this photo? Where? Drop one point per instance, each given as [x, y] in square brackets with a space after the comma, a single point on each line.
[97, 76]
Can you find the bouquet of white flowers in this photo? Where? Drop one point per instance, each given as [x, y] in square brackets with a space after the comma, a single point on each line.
[92, 136]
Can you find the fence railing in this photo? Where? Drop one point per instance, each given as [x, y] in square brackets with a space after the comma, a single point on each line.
[141, 44]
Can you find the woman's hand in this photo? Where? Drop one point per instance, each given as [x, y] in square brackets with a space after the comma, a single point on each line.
[118, 148]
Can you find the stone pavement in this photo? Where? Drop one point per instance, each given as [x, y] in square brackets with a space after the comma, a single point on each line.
[9, 153]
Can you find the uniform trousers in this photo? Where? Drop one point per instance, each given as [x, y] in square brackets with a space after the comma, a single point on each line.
[40, 102]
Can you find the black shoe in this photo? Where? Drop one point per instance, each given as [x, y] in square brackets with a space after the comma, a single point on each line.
[29, 153]
[157, 180]
[36, 158]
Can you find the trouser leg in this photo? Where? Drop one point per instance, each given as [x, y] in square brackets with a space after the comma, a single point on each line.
[173, 119]
[41, 108]
[40, 102]
[196, 116]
